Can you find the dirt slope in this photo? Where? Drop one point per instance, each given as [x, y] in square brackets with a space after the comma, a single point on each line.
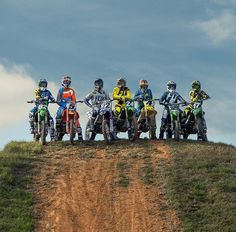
[98, 188]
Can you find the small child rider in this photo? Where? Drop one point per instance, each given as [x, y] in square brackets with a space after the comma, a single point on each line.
[170, 96]
[121, 93]
[66, 95]
[42, 93]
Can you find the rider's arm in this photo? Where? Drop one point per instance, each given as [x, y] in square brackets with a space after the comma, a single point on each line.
[128, 94]
[51, 98]
[204, 95]
[115, 94]
[87, 100]
[73, 97]
[137, 95]
[149, 94]
[163, 98]
[37, 94]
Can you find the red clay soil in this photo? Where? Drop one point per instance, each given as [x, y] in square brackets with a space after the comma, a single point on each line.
[78, 189]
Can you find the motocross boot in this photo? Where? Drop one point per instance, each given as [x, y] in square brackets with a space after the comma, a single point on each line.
[161, 135]
[80, 136]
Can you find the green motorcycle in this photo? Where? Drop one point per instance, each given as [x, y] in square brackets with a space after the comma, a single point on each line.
[173, 123]
[41, 120]
[195, 122]
[126, 121]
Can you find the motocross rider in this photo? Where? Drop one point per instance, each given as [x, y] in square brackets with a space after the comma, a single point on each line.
[94, 101]
[170, 96]
[144, 93]
[121, 93]
[65, 95]
[42, 93]
[195, 95]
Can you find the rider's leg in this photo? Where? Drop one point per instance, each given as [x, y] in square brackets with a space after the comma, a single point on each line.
[31, 119]
[51, 128]
[79, 129]
[163, 124]
[92, 119]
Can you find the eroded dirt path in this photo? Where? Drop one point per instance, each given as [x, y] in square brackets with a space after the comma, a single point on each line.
[98, 188]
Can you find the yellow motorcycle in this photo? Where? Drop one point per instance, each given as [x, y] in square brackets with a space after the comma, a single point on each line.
[147, 119]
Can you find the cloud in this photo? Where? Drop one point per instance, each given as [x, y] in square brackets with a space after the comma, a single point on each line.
[17, 86]
[224, 2]
[219, 29]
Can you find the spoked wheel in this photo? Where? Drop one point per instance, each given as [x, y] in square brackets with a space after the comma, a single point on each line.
[106, 131]
[43, 132]
[132, 131]
[72, 131]
[89, 135]
[176, 130]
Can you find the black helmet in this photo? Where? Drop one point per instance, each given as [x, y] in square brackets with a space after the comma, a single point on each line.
[121, 82]
[171, 86]
[43, 84]
[98, 84]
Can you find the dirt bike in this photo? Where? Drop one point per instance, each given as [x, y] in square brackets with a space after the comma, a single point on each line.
[126, 120]
[174, 125]
[102, 122]
[195, 122]
[146, 125]
[41, 120]
[69, 124]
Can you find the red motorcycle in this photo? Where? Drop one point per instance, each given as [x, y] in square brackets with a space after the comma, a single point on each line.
[70, 123]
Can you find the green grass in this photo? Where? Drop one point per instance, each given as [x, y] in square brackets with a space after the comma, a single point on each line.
[16, 197]
[201, 183]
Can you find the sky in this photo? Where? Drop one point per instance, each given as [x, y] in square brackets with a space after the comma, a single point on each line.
[155, 40]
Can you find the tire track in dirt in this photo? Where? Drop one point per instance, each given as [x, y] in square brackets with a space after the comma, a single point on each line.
[74, 193]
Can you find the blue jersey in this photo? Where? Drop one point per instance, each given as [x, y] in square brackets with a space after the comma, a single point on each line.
[143, 95]
[45, 94]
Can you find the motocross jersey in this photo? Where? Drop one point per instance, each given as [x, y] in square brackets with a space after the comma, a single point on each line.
[198, 95]
[143, 95]
[65, 95]
[46, 94]
[95, 98]
[168, 97]
[121, 94]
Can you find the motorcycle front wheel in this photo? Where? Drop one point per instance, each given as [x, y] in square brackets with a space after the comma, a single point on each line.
[106, 131]
[43, 132]
[72, 131]
[89, 135]
[132, 131]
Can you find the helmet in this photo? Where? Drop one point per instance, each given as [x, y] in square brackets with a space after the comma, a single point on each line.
[196, 85]
[98, 83]
[66, 81]
[143, 84]
[43, 84]
[121, 82]
[171, 86]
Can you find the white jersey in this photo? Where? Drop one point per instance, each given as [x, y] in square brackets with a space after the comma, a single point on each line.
[96, 98]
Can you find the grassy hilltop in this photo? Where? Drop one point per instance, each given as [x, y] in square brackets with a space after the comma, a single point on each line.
[196, 180]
